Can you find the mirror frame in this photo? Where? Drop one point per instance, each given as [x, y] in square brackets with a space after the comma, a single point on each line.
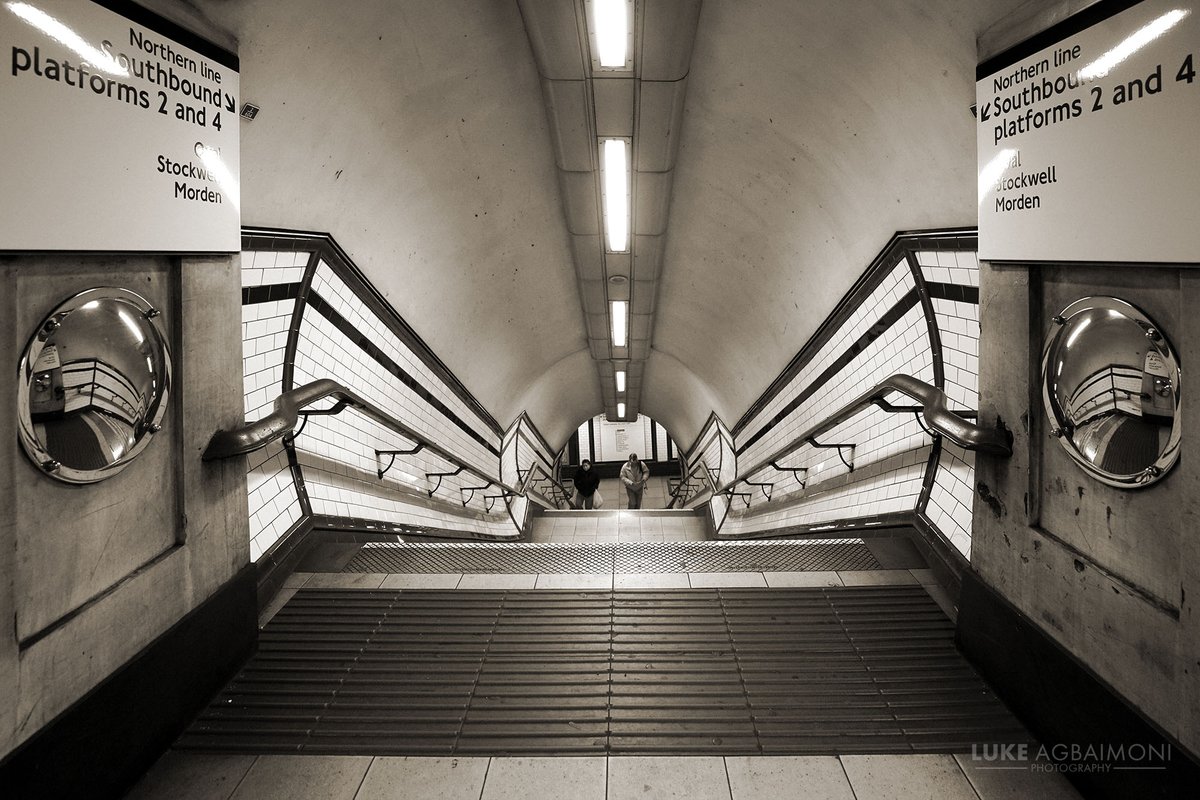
[30, 442]
[1062, 331]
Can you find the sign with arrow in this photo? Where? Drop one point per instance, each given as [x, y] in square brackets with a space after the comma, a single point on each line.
[1087, 145]
[120, 133]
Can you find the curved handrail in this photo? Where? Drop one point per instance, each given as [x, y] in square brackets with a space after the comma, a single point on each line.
[530, 481]
[288, 408]
[700, 467]
[934, 407]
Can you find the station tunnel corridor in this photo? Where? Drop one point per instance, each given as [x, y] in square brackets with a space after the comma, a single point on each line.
[296, 514]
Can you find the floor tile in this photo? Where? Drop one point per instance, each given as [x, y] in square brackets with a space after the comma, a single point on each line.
[496, 581]
[651, 580]
[303, 777]
[714, 580]
[877, 577]
[421, 580]
[545, 778]
[801, 579]
[574, 581]
[906, 777]
[424, 779]
[995, 782]
[659, 778]
[192, 776]
[787, 777]
[345, 580]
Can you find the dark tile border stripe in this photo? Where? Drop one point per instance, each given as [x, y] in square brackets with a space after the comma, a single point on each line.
[268, 293]
[364, 342]
[328, 250]
[890, 318]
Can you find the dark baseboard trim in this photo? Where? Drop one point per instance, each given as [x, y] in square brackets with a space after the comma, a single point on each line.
[102, 745]
[281, 560]
[948, 564]
[1063, 702]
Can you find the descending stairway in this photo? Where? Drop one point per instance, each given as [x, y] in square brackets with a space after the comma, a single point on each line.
[621, 665]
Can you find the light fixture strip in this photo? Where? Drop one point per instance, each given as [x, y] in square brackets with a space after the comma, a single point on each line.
[620, 380]
[620, 323]
[611, 20]
[621, 410]
[614, 160]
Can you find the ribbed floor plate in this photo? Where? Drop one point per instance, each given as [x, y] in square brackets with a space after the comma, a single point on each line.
[729, 671]
[620, 557]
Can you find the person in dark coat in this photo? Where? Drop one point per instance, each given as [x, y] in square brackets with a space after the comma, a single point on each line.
[586, 484]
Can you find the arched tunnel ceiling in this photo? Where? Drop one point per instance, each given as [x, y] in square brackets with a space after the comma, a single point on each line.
[416, 134]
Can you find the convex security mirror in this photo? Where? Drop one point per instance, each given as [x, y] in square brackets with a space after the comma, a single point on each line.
[1110, 384]
[92, 385]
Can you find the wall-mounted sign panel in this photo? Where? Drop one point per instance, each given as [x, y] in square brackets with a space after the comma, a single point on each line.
[1089, 149]
[116, 136]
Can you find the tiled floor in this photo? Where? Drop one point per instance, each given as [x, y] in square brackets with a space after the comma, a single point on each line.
[655, 495]
[186, 776]
[619, 526]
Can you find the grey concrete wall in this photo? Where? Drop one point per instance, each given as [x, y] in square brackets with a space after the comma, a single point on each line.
[1112, 575]
[90, 575]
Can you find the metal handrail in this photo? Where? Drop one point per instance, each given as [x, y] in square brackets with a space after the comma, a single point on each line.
[700, 467]
[933, 407]
[554, 484]
[289, 407]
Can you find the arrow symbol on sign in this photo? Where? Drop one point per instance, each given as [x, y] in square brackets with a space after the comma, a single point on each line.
[229, 106]
[984, 113]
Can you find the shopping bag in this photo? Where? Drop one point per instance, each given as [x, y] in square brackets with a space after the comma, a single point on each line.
[597, 500]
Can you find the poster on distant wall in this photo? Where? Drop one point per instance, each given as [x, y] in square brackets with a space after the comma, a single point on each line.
[119, 133]
[1089, 148]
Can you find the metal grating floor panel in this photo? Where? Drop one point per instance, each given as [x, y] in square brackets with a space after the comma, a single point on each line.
[728, 671]
[619, 557]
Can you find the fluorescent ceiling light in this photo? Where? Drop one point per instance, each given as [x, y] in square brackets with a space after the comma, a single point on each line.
[615, 163]
[620, 328]
[620, 380]
[612, 31]
[620, 409]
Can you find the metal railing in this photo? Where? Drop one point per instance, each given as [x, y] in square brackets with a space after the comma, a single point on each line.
[698, 477]
[932, 406]
[291, 406]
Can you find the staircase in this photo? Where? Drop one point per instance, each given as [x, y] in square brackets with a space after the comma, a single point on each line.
[613, 632]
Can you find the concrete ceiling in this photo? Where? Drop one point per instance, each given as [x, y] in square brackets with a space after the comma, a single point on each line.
[416, 134]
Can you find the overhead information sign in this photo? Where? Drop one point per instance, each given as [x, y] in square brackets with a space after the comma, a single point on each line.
[1089, 150]
[116, 136]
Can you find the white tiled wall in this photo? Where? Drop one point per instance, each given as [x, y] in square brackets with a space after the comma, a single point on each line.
[891, 450]
[271, 497]
[336, 454]
[264, 338]
[952, 496]
[268, 268]
[324, 351]
[905, 348]
[883, 487]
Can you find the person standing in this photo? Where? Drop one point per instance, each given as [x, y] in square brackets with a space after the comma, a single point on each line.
[586, 482]
[634, 475]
